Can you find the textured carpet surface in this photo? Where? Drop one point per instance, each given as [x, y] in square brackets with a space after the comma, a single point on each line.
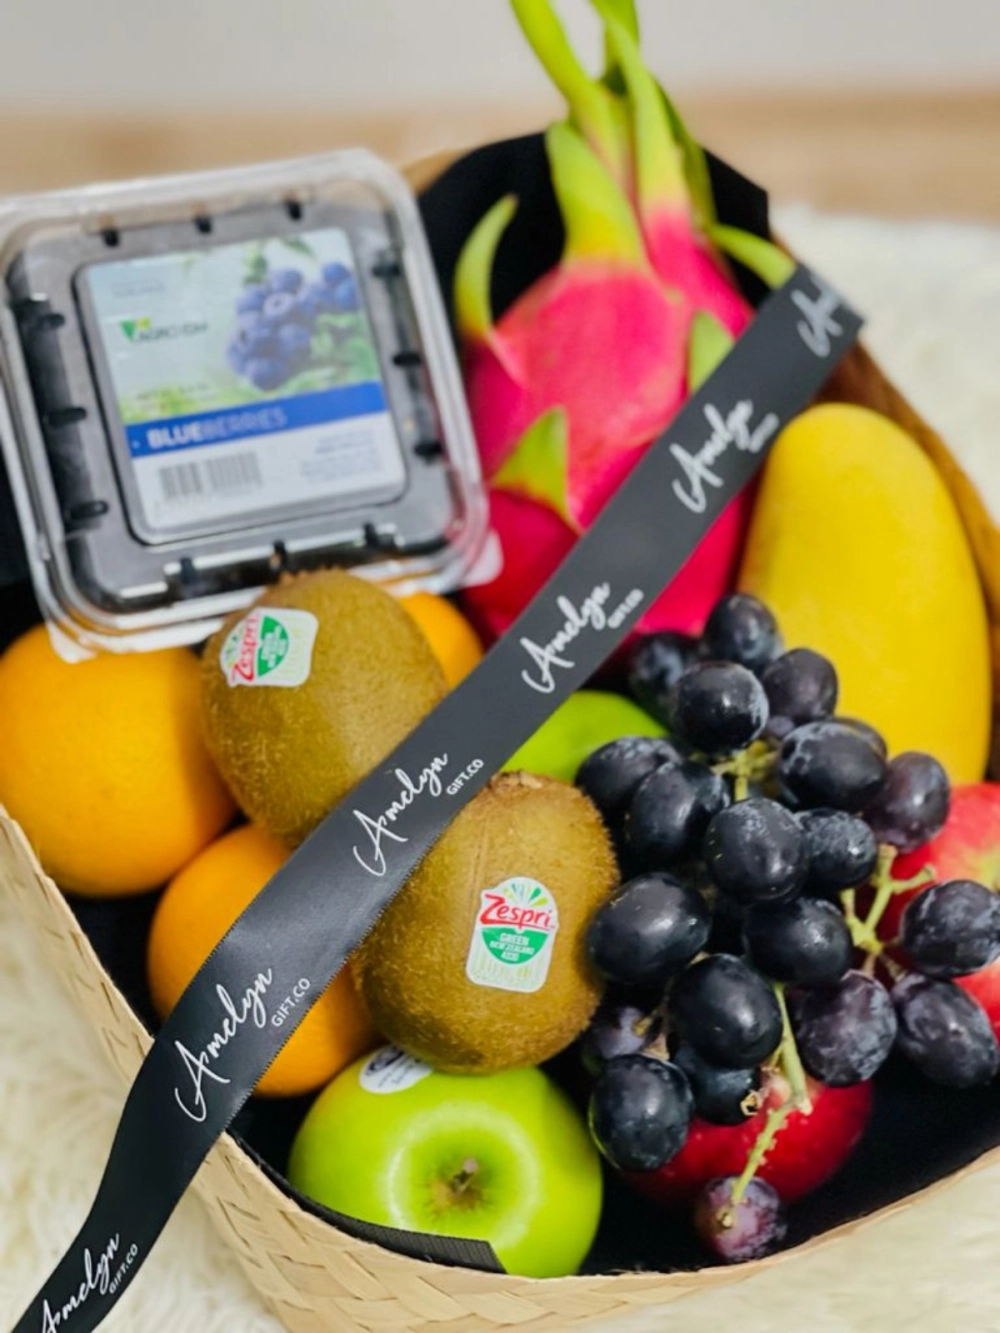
[932, 293]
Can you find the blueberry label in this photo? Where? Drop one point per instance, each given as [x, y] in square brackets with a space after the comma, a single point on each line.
[246, 379]
[392, 1070]
[270, 647]
[512, 940]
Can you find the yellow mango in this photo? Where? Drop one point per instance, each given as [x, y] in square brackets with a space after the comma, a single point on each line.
[857, 547]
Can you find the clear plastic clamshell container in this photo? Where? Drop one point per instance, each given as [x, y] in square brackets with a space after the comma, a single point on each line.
[209, 380]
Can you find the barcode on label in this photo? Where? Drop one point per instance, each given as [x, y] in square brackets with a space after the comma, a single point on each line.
[238, 472]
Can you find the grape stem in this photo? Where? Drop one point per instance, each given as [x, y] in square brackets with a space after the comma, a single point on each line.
[864, 933]
[776, 1117]
[754, 764]
[790, 1064]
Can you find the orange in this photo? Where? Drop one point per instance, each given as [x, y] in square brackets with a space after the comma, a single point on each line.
[196, 910]
[454, 641]
[103, 764]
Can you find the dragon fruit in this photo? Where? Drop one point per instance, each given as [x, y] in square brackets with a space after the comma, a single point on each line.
[599, 335]
[639, 310]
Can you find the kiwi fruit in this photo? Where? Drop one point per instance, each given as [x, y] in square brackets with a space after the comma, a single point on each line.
[414, 968]
[293, 743]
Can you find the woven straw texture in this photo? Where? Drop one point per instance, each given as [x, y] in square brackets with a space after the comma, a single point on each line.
[319, 1280]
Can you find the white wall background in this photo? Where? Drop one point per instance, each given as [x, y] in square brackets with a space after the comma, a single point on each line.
[371, 54]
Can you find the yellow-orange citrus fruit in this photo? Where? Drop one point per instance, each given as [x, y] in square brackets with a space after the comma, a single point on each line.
[197, 909]
[455, 643]
[103, 764]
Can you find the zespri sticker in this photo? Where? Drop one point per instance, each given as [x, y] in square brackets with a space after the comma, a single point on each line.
[513, 936]
[270, 646]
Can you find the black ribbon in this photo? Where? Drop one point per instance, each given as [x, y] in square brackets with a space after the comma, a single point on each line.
[257, 986]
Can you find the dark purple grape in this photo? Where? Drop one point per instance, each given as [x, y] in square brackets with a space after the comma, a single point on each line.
[841, 848]
[651, 928]
[739, 1232]
[801, 686]
[806, 942]
[670, 811]
[611, 775]
[721, 1096]
[251, 298]
[952, 929]
[741, 629]
[913, 803]
[865, 729]
[616, 1029]
[658, 661]
[727, 1012]
[945, 1033]
[284, 280]
[755, 851]
[845, 1032]
[718, 708]
[640, 1112]
[828, 764]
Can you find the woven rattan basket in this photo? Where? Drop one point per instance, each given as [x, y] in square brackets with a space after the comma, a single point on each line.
[318, 1279]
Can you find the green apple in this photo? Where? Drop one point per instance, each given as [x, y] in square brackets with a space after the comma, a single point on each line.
[587, 720]
[503, 1158]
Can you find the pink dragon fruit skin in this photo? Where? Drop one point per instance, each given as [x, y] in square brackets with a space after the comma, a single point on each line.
[599, 335]
[620, 383]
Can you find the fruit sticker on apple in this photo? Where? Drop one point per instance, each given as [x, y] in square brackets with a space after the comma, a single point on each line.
[391, 1070]
[511, 946]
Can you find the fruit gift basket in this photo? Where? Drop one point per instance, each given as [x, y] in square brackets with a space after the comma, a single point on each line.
[710, 972]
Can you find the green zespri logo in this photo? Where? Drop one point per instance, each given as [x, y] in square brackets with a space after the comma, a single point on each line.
[133, 328]
[143, 330]
[270, 647]
[513, 936]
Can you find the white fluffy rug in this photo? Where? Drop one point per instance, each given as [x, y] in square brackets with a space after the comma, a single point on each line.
[933, 296]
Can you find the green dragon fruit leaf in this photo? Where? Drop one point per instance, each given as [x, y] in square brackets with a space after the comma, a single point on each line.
[474, 271]
[770, 263]
[659, 165]
[598, 218]
[623, 11]
[594, 110]
[538, 466]
[710, 343]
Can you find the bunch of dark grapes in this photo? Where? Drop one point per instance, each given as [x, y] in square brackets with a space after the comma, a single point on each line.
[747, 836]
[277, 318]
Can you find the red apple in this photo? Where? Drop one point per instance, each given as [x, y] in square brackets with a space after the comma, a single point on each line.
[810, 1147]
[968, 847]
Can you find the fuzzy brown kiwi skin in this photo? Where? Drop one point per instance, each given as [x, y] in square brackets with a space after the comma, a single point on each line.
[411, 968]
[289, 754]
